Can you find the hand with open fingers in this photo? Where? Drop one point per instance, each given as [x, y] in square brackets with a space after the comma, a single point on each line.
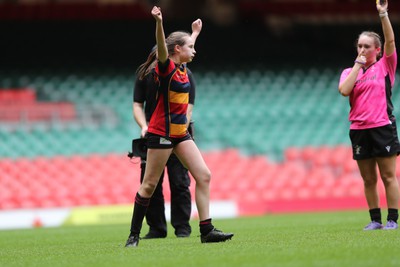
[156, 12]
[197, 25]
[382, 5]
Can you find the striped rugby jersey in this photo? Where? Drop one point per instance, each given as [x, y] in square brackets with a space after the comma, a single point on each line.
[169, 117]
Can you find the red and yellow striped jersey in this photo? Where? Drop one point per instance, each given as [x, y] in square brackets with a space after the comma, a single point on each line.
[169, 117]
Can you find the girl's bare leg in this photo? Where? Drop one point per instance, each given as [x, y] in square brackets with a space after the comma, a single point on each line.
[369, 174]
[155, 164]
[190, 156]
[387, 169]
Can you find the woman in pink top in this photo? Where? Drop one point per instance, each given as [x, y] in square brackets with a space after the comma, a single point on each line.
[373, 131]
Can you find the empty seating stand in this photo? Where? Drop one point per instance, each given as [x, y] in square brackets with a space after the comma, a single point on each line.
[20, 104]
[258, 185]
[282, 137]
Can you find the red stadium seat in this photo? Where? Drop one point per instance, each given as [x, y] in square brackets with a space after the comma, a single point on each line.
[292, 153]
[15, 96]
[113, 179]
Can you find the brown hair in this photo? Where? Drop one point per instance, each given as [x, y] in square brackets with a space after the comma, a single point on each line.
[377, 40]
[148, 65]
[176, 38]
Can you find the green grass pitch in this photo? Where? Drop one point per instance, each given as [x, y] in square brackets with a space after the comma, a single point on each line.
[310, 239]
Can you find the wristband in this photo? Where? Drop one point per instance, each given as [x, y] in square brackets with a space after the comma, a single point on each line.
[383, 14]
[359, 62]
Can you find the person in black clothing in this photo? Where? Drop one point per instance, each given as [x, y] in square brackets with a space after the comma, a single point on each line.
[144, 102]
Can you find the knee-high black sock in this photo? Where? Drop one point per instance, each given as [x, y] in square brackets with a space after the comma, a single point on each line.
[139, 211]
[393, 214]
[375, 215]
[206, 226]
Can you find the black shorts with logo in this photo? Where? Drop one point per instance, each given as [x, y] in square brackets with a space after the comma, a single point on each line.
[375, 142]
[158, 141]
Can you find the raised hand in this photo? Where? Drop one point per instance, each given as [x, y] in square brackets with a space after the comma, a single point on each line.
[382, 5]
[156, 12]
[197, 25]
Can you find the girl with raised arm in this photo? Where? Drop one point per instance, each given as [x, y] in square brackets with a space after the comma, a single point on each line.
[373, 132]
[167, 132]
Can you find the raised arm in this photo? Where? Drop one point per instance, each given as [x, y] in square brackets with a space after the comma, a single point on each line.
[197, 25]
[162, 52]
[389, 45]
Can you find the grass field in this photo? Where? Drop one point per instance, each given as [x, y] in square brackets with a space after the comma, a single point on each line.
[312, 239]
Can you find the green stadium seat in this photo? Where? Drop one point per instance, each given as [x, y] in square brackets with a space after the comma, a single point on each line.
[260, 111]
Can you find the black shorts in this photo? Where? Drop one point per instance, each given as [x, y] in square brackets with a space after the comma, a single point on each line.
[375, 142]
[158, 141]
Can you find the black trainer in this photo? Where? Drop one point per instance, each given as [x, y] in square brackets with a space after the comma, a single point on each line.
[151, 235]
[182, 235]
[215, 236]
[133, 241]
[183, 232]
